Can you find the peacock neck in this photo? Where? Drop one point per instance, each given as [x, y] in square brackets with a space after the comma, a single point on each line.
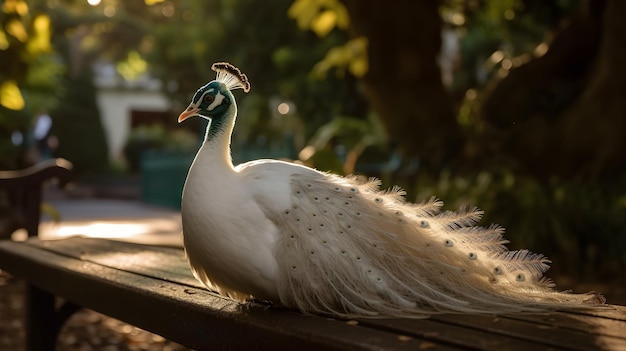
[217, 138]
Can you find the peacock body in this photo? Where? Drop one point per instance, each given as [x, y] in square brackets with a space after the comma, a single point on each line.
[327, 244]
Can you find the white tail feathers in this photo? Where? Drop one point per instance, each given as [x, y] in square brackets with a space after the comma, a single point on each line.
[348, 249]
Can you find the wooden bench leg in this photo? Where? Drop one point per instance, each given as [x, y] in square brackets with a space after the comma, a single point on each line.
[44, 320]
[41, 321]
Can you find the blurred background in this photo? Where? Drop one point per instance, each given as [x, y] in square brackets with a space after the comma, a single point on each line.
[515, 106]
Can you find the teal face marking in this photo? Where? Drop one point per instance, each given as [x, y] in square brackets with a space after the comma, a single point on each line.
[212, 100]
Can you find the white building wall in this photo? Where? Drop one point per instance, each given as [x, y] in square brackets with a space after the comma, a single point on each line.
[117, 98]
[116, 106]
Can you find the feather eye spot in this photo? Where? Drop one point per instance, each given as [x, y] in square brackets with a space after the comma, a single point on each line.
[358, 258]
[369, 270]
[298, 192]
[312, 252]
[493, 280]
[324, 242]
[497, 270]
[315, 198]
[358, 214]
[321, 224]
[472, 256]
[297, 219]
[398, 213]
[294, 267]
[340, 214]
[378, 200]
[379, 279]
[337, 189]
[349, 226]
[309, 185]
[310, 230]
[354, 190]
[424, 224]
[292, 236]
[448, 243]
[287, 212]
[343, 252]
[314, 214]
[520, 277]
[327, 198]
[341, 232]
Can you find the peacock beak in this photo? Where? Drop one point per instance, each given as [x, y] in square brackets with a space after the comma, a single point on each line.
[191, 111]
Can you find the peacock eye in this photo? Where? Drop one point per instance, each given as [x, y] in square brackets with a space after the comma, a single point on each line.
[209, 98]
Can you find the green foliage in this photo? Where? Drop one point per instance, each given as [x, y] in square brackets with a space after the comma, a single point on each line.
[322, 16]
[496, 36]
[261, 40]
[76, 122]
[510, 172]
[575, 222]
[156, 137]
[31, 72]
[177, 41]
[82, 34]
[355, 134]
[351, 56]
[133, 67]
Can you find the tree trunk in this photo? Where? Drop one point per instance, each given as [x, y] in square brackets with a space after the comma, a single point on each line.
[563, 114]
[403, 84]
[595, 124]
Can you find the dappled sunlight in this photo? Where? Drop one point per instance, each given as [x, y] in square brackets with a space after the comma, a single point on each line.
[122, 220]
[146, 231]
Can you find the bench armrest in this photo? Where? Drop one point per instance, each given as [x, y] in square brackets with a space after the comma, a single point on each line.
[24, 192]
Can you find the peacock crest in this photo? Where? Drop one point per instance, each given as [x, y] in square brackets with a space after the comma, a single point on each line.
[231, 76]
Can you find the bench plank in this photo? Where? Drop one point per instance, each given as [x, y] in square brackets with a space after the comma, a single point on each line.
[152, 288]
[602, 326]
[159, 262]
[460, 336]
[546, 333]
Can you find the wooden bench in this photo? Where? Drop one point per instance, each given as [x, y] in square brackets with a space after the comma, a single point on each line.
[152, 288]
[23, 189]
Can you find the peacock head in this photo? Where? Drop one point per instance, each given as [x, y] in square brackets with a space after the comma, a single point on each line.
[214, 99]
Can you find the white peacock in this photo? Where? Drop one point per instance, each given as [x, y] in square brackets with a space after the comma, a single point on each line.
[322, 243]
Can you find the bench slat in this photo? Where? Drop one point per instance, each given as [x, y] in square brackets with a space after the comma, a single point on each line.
[583, 323]
[154, 261]
[546, 332]
[455, 335]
